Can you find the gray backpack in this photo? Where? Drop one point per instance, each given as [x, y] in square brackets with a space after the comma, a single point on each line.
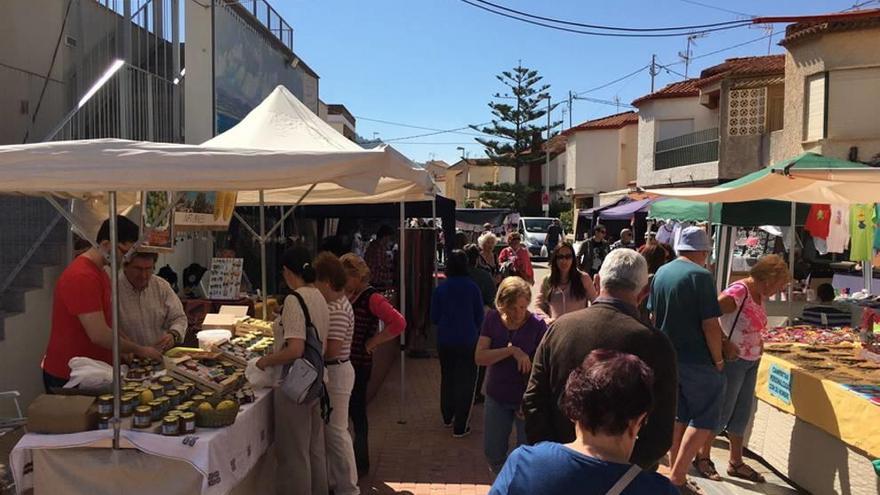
[303, 380]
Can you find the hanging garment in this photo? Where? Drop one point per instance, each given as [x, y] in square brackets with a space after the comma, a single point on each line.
[818, 221]
[861, 219]
[665, 232]
[838, 229]
[877, 226]
[821, 245]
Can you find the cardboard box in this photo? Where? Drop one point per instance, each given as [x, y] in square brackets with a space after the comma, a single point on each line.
[58, 414]
[221, 321]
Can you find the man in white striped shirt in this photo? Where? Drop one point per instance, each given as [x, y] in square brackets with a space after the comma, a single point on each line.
[331, 279]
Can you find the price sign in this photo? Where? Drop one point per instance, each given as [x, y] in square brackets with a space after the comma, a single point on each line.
[779, 383]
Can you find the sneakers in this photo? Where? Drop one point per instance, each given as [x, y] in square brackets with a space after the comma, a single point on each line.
[447, 425]
[463, 434]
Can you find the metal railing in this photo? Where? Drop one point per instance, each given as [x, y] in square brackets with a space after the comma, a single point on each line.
[687, 149]
[269, 18]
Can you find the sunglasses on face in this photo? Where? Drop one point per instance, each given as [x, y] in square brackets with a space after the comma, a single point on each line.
[565, 257]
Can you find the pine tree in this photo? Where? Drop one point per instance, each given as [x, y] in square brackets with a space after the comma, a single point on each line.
[519, 128]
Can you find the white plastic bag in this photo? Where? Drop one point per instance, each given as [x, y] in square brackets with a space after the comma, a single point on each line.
[89, 374]
[260, 378]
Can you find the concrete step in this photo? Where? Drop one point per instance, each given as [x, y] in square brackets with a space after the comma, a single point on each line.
[30, 276]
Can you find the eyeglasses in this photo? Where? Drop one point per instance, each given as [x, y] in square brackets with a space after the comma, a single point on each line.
[564, 257]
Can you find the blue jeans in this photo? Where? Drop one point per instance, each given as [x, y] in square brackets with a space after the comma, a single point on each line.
[736, 413]
[499, 421]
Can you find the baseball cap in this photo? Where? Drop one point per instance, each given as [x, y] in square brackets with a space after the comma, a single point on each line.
[693, 239]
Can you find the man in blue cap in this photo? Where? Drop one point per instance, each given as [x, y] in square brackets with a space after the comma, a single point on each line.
[684, 304]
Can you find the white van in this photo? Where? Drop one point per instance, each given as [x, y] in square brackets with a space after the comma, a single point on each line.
[534, 233]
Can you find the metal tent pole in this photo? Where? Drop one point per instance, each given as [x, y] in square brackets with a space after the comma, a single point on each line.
[400, 257]
[263, 272]
[114, 291]
[436, 241]
[791, 241]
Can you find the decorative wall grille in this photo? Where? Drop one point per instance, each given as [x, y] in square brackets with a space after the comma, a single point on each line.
[747, 112]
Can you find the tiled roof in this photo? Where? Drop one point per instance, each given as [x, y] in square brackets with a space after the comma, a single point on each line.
[615, 121]
[743, 67]
[679, 89]
[806, 27]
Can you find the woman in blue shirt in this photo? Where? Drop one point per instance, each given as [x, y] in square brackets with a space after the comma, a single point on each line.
[457, 310]
[608, 398]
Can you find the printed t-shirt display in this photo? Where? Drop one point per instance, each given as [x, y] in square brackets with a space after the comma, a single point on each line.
[818, 221]
[861, 232]
[838, 230]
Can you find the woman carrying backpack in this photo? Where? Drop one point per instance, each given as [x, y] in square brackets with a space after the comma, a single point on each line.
[299, 428]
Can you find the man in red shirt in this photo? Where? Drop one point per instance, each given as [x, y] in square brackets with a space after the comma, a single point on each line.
[81, 310]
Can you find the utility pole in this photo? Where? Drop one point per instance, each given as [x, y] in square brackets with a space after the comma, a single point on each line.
[653, 70]
[570, 101]
[546, 204]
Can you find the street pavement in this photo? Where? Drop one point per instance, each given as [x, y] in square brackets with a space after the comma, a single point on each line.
[418, 456]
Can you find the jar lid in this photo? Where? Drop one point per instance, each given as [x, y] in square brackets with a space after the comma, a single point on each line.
[105, 398]
[143, 409]
[188, 416]
[170, 420]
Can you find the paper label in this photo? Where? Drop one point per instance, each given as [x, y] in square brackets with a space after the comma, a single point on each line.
[779, 383]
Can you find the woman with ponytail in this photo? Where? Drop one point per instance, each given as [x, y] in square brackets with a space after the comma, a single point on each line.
[299, 430]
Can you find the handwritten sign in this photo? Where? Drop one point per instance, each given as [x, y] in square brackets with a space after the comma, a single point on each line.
[779, 383]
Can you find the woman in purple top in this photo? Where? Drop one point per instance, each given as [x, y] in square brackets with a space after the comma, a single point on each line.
[507, 345]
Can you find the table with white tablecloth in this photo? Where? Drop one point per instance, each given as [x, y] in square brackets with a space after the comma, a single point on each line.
[212, 461]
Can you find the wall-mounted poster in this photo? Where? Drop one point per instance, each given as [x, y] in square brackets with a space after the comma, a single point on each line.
[157, 228]
[204, 210]
[225, 281]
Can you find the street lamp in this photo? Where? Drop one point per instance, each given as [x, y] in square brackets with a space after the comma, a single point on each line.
[461, 148]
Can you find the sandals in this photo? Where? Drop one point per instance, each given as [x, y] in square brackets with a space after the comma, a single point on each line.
[689, 488]
[744, 471]
[706, 468]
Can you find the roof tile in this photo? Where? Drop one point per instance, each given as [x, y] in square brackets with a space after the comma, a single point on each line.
[615, 121]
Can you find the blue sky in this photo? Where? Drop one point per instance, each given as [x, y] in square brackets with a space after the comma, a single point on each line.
[432, 63]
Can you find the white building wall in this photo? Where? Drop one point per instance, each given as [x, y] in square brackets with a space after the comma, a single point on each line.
[651, 113]
[595, 163]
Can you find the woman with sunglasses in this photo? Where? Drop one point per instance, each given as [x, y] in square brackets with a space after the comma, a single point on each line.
[566, 289]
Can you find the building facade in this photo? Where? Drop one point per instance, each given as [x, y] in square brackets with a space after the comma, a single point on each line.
[601, 157]
[832, 88]
[711, 129]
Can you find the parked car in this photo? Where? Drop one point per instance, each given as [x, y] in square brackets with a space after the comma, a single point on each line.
[534, 233]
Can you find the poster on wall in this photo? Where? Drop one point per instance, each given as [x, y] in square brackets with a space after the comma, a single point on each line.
[157, 224]
[225, 281]
[204, 210]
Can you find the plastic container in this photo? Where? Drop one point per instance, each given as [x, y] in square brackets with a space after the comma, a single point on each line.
[210, 338]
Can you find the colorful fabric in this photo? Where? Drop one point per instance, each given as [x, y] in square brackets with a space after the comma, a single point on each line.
[752, 321]
[861, 219]
[877, 226]
[838, 229]
[818, 221]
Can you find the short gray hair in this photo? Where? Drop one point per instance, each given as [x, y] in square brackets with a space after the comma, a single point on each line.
[625, 270]
[486, 238]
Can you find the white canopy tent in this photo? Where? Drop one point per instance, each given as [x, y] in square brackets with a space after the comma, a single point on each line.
[282, 123]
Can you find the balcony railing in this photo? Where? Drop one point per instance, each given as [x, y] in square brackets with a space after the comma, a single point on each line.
[687, 149]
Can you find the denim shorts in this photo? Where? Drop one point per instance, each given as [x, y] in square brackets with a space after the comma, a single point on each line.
[700, 396]
[736, 414]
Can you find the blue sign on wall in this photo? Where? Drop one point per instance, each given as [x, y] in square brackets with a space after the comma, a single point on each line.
[779, 383]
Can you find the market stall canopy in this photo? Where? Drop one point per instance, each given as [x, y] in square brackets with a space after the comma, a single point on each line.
[479, 216]
[282, 123]
[88, 167]
[626, 210]
[747, 214]
[589, 213]
[790, 181]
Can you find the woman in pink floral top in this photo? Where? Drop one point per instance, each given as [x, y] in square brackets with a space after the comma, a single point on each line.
[744, 319]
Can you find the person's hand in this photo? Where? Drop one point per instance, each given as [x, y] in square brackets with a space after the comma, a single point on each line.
[166, 342]
[523, 363]
[371, 345]
[549, 321]
[261, 363]
[719, 365]
[149, 352]
[127, 358]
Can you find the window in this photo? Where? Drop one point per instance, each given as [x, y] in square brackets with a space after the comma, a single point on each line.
[775, 107]
[667, 129]
[814, 107]
[854, 103]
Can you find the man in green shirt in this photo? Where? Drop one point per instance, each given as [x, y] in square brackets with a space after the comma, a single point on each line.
[684, 304]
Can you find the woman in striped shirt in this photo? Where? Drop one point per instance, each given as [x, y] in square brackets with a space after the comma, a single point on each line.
[370, 307]
[331, 280]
